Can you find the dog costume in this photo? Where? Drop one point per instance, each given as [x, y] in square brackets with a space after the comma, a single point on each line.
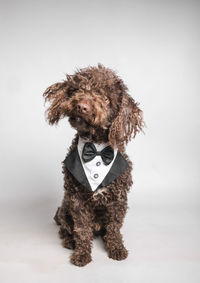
[95, 173]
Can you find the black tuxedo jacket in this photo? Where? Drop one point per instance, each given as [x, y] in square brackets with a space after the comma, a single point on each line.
[74, 165]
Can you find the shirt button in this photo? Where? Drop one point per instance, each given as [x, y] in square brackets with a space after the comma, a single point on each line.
[98, 163]
[96, 176]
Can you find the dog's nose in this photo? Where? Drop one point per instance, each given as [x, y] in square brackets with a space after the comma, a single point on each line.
[83, 107]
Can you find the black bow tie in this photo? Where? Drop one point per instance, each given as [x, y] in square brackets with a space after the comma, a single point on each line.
[89, 152]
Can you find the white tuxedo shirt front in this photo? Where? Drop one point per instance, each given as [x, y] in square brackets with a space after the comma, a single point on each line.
[95, 170]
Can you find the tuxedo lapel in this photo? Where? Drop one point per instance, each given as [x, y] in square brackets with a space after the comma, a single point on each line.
[73, 164]
[118, 167]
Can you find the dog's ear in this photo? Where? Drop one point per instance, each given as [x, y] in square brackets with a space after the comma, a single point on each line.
[56, 95]
[128, 122]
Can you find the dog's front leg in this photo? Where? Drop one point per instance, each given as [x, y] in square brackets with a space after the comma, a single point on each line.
[113, 239]
[82, 234]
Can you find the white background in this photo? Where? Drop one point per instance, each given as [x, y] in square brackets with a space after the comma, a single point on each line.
[154, 46]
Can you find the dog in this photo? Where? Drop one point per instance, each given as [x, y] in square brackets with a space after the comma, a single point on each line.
[97, 170]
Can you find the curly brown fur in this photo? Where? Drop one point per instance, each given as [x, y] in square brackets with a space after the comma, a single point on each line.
[99, 107]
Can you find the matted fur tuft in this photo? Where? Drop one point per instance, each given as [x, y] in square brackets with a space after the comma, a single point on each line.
[128, 122]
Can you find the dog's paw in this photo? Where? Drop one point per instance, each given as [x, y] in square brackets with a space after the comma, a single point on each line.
[80, 258]
[118, 253]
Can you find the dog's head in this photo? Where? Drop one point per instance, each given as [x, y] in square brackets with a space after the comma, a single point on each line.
[97, 103]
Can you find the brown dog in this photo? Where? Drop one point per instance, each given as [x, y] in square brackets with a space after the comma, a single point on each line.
[97, 171]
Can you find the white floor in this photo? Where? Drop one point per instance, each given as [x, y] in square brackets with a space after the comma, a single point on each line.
[163, 244]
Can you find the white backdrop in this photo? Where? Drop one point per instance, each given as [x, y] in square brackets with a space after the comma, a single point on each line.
[154, 46]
